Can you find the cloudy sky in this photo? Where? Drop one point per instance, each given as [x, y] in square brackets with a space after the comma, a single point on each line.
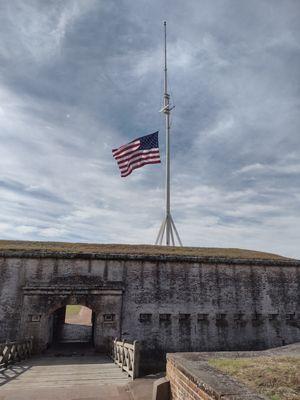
[80, 77]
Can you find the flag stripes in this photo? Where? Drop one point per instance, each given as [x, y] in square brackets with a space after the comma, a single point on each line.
[137, 153]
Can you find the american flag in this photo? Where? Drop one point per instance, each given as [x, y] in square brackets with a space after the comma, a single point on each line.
[136, 154]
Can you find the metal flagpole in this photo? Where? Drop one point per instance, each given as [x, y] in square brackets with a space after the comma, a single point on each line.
[168, 224]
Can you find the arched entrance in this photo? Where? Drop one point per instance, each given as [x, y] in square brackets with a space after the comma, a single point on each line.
[71, 324]
[43, 302]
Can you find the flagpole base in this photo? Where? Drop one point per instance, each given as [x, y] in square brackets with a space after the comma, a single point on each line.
[169, 232]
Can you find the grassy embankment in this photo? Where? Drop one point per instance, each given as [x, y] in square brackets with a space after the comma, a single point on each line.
[277, 378]
[71, 248]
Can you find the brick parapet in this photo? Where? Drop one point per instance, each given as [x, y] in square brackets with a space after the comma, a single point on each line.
[194, 379]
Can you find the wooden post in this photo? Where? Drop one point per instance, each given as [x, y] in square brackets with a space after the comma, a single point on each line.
[122, 355]
[114, 350]
[136, 360]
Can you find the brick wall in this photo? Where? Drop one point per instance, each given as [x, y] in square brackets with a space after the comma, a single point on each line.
[76, 333]
[182, 386]
[192, 378]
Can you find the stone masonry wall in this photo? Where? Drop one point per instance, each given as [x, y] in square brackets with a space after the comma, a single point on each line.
[173, 306]
[168, 303]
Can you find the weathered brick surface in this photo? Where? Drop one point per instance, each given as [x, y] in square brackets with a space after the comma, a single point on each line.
[168, 303]
[194, 379]
[76, 333]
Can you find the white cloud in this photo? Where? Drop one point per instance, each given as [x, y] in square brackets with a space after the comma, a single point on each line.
[270, 169]
[41, 27]
[24, 229]
[52, 232]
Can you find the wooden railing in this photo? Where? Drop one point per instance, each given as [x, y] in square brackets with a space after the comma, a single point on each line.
[11, 352]
[127, 356]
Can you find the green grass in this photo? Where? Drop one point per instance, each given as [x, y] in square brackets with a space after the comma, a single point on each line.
[9, 245]
[276, 377]
[72, 310]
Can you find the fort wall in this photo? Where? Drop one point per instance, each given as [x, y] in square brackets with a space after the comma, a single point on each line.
[168, 303]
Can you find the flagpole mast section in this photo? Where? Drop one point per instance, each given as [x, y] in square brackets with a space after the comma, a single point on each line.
[168, 224]
[167, 123]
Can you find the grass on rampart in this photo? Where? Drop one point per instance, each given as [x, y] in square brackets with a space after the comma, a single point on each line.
[71, 248]
[277, 377]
